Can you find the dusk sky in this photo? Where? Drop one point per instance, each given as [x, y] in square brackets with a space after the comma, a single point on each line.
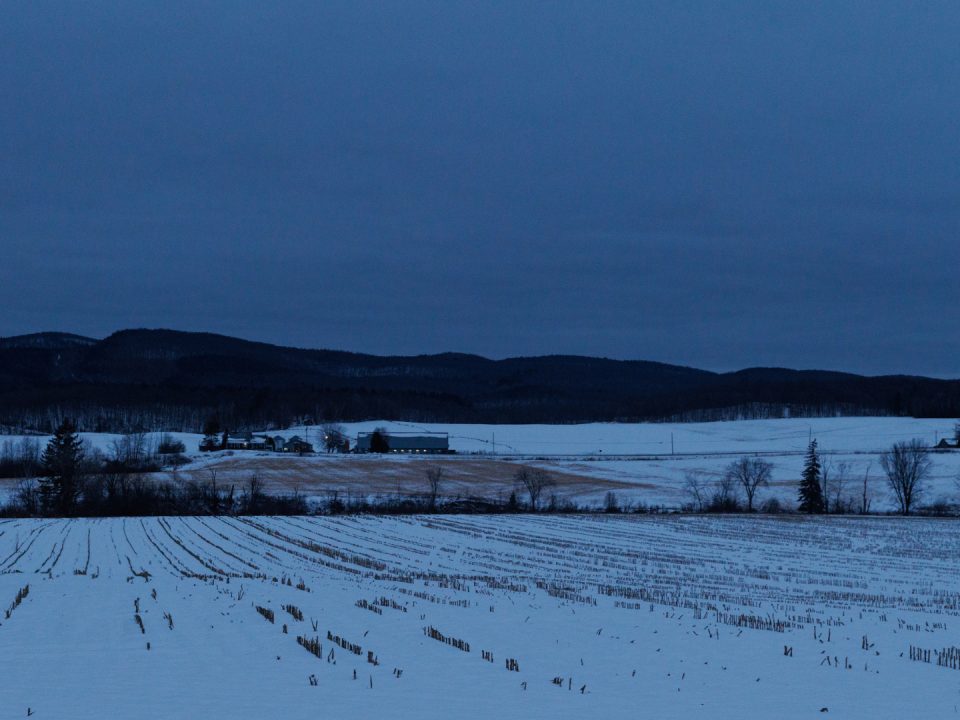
[722, 185]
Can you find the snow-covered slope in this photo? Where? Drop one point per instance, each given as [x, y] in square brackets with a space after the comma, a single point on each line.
[602, 617]
[744, 436]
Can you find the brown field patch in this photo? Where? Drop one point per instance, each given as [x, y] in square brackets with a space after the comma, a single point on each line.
[371, 475]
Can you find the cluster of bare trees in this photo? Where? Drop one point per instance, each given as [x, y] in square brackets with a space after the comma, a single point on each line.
[906, 467]
[723, 493]
[20, 458]
[110, 492]
[532, 481]
[835, 480]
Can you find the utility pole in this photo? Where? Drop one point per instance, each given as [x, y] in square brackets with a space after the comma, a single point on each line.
[494, 443]
[671, 443]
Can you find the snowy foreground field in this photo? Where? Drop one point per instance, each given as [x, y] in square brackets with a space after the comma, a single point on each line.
[479, 617]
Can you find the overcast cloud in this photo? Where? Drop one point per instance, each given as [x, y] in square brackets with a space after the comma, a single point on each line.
[720, 185]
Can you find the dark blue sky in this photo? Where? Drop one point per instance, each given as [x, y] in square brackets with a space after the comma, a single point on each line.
[714, 184]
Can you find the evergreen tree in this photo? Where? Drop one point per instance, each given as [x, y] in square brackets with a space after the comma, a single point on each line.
[379, 442]
[811, 494]
[62, 459]
[211, 433]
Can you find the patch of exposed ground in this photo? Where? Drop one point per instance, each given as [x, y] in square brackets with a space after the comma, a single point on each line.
[467, 476]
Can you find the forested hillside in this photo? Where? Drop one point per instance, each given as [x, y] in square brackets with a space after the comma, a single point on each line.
[164, 379]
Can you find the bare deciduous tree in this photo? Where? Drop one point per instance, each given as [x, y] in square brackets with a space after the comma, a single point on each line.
[906, 466]
[696, 488]
[865, 501]
[175, 461]
[119, 451]
[826, 476]
[130, 450]
[725, 495]
[333, 436]
[137, 444]
[28, 497]
[435, 479]
[834, 482]
[750, 474]
[253, 496]
[610, 501]
[534, 481]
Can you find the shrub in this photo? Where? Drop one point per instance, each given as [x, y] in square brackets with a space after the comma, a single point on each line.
[169, 446]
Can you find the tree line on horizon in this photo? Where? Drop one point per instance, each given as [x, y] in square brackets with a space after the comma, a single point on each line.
[244, 411]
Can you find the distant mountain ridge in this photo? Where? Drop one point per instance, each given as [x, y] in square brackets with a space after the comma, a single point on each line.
[175, 380]
[47, 340]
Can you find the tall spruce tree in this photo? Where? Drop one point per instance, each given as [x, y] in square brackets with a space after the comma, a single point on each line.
[62, 459]
[211, 435]
[811, 493]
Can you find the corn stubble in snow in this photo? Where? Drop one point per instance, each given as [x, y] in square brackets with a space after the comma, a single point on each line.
[577, 616]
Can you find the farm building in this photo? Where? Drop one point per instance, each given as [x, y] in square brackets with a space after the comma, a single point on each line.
[295, 445]
[414, 443]
[249, 441]
[246, 441]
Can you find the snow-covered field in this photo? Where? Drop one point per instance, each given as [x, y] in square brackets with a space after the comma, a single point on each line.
[857, 434]
[744, 436]
[633, 460]
[662, 617]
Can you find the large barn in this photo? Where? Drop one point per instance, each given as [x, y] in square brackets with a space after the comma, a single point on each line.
[413, 443]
